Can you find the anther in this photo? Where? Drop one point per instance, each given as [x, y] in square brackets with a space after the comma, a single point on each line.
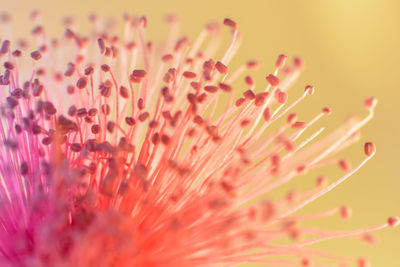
[166, 115]
[191, 98]
[249, 94]
[326, 110]
[272, 80]
[8, 65]
[105, 68]
[252, 65]
[280, 62]
[81, 83]
[305, 262]
[130, 121]
[344, 165]
[345, 212]
[37, 89]
[369, 149]
[260, 99]
[298, 63]
[143, 21]
[140, 104]
[225, 87]
[106, 109]
[321, 181]
[70, 70]
[102, 45]
[282, 97]
[92, 112]
[301, 169]
[89, 71]
[110, 126]
[139, 73]
[36, 55]
[209, 65]
[47, 140]
[189, 75]
[299, 125]
[239, 102]
[11, 102]
[211, 88]
[76, 147]
[17, 93]
[249, 80]
[267, 114]
[70, 89]
[201, 98]
[393, 221]
[143, 116]
[155, 139]
[49, 108]
[16, 53]
[165, 139]
[123, 92]
[221, 67]
[370, 103]
[309, 89]
[198, 119]
[230, 23]
[23, 168]
[153, 124]
[69, 34]
[244, 122]
[195, 85]
[81, 112]
[5, 47]
[362, 262]
[180, 43]
[95, 128]
[105, 90]
[292, 118]
[167, 58]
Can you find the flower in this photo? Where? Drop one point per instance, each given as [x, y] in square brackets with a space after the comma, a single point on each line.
[115, 152]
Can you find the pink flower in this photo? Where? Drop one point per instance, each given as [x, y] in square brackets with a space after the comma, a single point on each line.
[117, 151]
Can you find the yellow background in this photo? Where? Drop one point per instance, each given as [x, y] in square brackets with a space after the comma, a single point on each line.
[351, 49]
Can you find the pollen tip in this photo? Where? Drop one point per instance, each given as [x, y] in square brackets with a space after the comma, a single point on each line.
[344, 165]
[230, 23]
[252, 65]
[362, 262]
[326, 110]
[305, 262]
[298, 125]
[322, 181]
[280, 62]
[370, 103]
[171, 19]
[345, 212]
[267, 114]
[249, 80]
[36, 55]
[369, 149]
[282, 97]
[298, 63]
[301, 169]
[309, 89]
[393, 221]
[272, 80]
[143, 21]
[221, 67]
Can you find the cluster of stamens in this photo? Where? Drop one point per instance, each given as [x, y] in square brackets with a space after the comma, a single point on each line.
[120, 152]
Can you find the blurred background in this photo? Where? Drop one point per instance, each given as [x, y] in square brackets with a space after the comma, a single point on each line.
[351, 50]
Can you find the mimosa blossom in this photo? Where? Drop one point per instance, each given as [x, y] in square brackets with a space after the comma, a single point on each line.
[116, 151]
